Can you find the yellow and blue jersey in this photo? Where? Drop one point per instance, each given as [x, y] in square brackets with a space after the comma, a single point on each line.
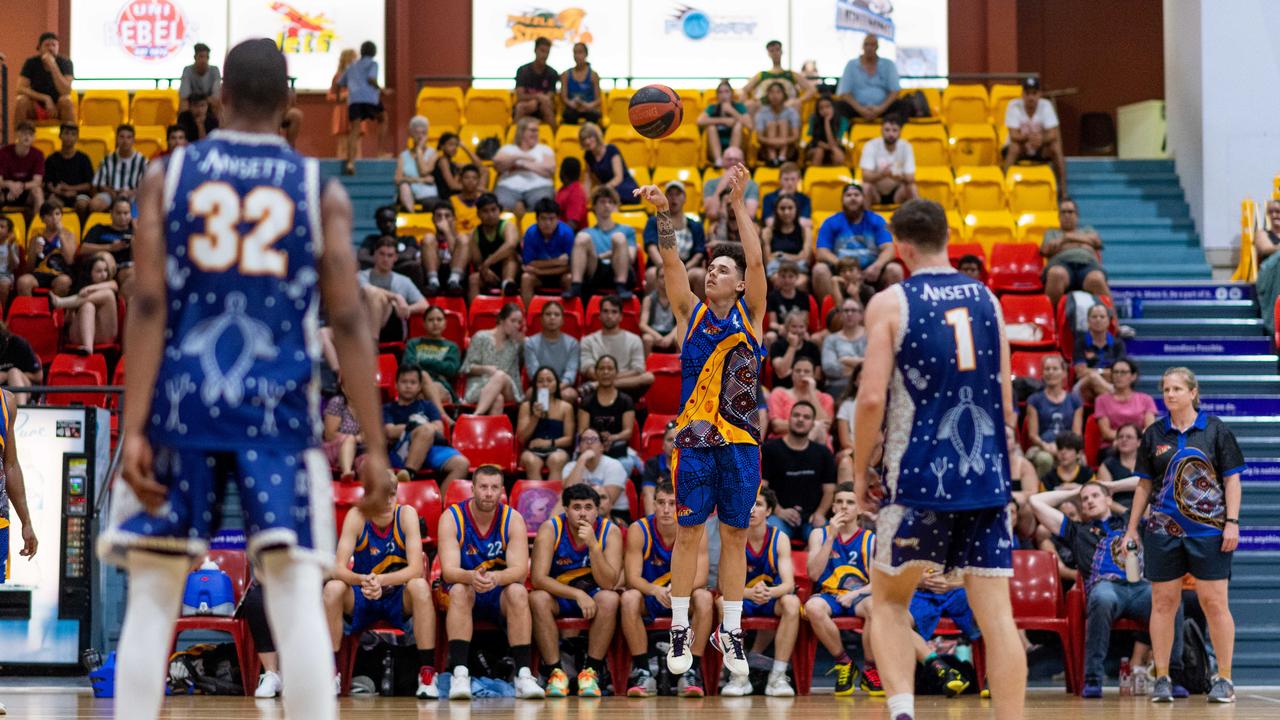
[380, 550]
[4, 489]
[762, 562]
[657, 554]
[720, 362]
[482, 551]
[571, 563]
[849, 566]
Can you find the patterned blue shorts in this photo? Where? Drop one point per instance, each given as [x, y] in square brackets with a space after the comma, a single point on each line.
[724, 479]
[966, 541]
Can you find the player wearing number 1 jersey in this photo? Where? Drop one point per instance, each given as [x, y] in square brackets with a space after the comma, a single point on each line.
[236, 245]
[936, 348]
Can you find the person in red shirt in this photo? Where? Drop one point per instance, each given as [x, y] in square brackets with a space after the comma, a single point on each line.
[22, 171]
[572, 197]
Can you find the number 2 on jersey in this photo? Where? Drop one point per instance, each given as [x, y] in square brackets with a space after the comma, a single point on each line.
[958, 319]
[220, 245]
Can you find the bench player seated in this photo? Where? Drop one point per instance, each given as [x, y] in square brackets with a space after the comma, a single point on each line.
[648, 567]
[771, 593]
[840, 558]
[384, 582]
[577, 561]
[484, 556]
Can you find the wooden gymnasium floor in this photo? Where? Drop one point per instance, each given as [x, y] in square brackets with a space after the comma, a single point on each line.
[1042, 704]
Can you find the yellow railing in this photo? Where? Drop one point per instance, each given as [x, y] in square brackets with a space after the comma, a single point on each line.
[1247, 269]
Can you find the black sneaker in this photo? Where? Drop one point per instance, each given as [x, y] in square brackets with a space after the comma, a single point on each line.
[454, 288]
[571, 294]
[433, 288]
[952, 680]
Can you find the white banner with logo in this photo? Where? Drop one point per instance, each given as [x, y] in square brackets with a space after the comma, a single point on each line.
[312, 33]
[503, 33]
[718, 38]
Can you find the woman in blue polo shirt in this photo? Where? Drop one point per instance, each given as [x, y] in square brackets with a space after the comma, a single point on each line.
[1095, 352]
[1189, 465]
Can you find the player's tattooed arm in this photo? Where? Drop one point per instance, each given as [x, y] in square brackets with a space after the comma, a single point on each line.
[666, 231]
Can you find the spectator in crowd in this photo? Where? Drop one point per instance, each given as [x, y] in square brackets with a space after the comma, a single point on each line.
[782, 402]
[1266, 243]
[44, 85]
[1122, 461]
[1068, 470]
[551, 348]
[606, 165]
[547, 245]
[869, 85]
[691, 240]
[536, 86]
[484, 559]
[492, 366]
[577, 563]
[788, 185]
[436, 356]
[338, 95]
[846, 410]
[377, 577]
[198, 120]
[849, 282]
[843, 350]
[495, 249]
[92, 305]
[610, 412]
[19, 365]
[572, 195]
[364, 101]
[623, 346]
[1096, 350]
[10, 258]
[1050, 411]
[603, 255]
[971, 265]
[1096, 541]
[797, 87]
[1123, 405]
[389, 296]
[415, 431]
[786, 244]
[524, 169]
[770, 593]
[827, 131]
[464, 200]
[580, 90]
[658, 320]
[602, 473]
[68, 173]
[723, 122]
[408, 258]
[939, 597]
[545, 427]
[415, 171]
[1033, 132]
[777, 126]
[174, 137]
[449, 176]
[22, 171]
[201, 78]
[1194, 526]
[343, 440]
[1073, 254]
[715, 197]
[786, 297]
[802, 474]
[444, 252]
[657, 469]
[650, 541]
[114, 239]
[120, 172]
[858, 233]
[792, 344]
[50, 254]
[889, 165]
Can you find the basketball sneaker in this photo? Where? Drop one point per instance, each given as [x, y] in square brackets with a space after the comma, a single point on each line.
[729, 643]
[845, 675]
[779, 686]
[558, 684]
[337, 684]
[871, 681]
[679, 659]
[588, 683]
[738, 686]
[690, 684]
[641, 683]
[952, 681]
[1223, 691]
[460, 684]
[427, 684]
[268, 685]
[1162, 691]
[526, 687]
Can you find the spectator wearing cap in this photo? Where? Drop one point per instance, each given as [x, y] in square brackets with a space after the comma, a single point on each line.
[22, 171]
[1033, 132]
[691, 240]
[68, 173]
[889, 165]
[869, 85]
[858, 233]
[44, 84]
[200, 78]
[536, 86]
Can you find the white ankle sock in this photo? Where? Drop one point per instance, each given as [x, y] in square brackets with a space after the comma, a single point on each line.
[779, 667]
[679, 611]
[155, 592]
[296, 611]
[732, 619]
[902, 704]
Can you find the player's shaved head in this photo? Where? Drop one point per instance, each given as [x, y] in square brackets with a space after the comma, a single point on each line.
[256, 79]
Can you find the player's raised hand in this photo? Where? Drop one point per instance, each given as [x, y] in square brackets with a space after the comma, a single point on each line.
[136, 466]
[738, 177]
[653, 195]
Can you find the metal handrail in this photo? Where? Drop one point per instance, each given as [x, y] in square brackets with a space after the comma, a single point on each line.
[168, 81]
[617, 80]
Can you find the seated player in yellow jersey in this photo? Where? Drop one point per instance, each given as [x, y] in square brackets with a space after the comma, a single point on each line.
[378, 577]
[577, 561]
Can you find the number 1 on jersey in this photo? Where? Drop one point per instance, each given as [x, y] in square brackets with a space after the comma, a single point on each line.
[958, 319]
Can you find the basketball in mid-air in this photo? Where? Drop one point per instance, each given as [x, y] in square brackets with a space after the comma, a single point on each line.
[655, 111]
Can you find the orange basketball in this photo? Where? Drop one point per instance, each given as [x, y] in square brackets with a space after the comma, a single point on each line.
[655, 111]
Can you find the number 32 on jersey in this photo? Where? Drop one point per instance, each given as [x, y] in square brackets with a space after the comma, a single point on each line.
[221, 246]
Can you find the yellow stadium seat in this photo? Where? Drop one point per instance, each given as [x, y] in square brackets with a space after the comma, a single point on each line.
[1032, 225]
[104, 107]
[47, 140]
[989, 227]
[487, 107]
[1001, 96]
[616, 102]
[97, 141]
[692, 105]
[641, 174]
[936, 184]
[567, 144]
[154, 107]
[859, 135]
[441, 106]
[70, 221]
[527, 221]
[689, 177]
[767, 179]
[980, 188]
[415, 224]
[955, 227]
[825, 186]
[471, 135]
[929, 143]
[95, 219]
[633, 219]
[19, 227]
[710, 174]
[149, 139]
[819, 217]
[972, 145]
[1032, 188]
[680, 148]
[965, 104]
[709, 97]
[635, 148]
[544, 134]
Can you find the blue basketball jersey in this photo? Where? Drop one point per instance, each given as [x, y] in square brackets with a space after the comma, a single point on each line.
[657, 554]
[569, 561]
[482, 551]
[762, 562]
[849, 566]
[242, 235]
[380, 550]
[720, 362]
[944, 430]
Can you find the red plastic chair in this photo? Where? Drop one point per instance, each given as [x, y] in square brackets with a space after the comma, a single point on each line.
[345, 496]
[30, 318]
[386, 378]
[956, 251]
[1035, 310]
[655, 426]
[572, 315]
[1092, 441]
[456, 492]
[630, 314]
[1039, 604]
[78, 370]
[527, 492]
[1016, 268]
[1027, 363]
[424, 497]
[236, 565]
[484, 311]
[664, 395]
[486, 440]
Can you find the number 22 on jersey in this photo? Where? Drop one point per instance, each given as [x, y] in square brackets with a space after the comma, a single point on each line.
[958, 319]
[221, 246]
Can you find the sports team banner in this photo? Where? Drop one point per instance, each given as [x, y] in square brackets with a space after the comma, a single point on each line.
[132, 41]
[708, 39]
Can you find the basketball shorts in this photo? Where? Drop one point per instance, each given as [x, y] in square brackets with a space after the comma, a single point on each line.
[839, 610]
[488, 605]
[285, 498]
[654, 609]
[389, 609]
[724, 479]
[952, 543]
[928, 608]
[766, 609]
[569, 608]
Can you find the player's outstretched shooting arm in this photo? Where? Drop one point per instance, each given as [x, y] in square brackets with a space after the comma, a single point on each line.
[677, 277]
[757, 285]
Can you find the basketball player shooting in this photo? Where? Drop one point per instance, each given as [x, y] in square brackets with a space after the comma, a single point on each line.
[936, 349]
[716, 462]
[234, 238]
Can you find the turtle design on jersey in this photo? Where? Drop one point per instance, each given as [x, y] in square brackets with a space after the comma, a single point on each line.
[256, 343]
[970, 459]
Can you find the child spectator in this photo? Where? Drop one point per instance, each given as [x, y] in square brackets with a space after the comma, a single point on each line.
[788, 184]
[547, 245]
[657, 320]
[849, 283]
[436, 356]
[786, 298]
[50, 254]
[495, 248]
[826, 131]
[446, 246]
[447, 173]
[1069, 472]
[971, 265]
[572, 197]
[415, 431]
[364, 101]
[92, 305]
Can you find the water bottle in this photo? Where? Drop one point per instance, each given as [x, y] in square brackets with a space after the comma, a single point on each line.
[1142, 680]
[1132, 572]
[1126, 677]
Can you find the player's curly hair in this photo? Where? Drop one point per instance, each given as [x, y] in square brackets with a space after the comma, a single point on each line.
[731, 250]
